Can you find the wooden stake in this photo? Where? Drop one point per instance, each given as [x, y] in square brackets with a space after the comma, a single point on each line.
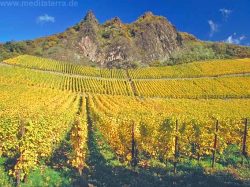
[244, 142]
[215, 143]
[198, 155]
[20, 136]
[18, 177]
[176, 147]
[244, 147]
[133, 151]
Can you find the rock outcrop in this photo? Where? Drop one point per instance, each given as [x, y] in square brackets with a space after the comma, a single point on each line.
[150, 38]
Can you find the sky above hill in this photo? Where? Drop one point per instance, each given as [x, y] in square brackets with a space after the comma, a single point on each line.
[215, 20]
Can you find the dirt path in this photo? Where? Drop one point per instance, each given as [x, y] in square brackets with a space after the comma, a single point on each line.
[132, 84]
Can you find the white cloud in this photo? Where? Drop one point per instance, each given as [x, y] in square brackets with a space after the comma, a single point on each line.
[242, 37]
[225, 12]
[46, 19]
[234, 39]
[213, 27]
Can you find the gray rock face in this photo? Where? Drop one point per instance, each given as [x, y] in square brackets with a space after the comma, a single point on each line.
[150, 38]
[155, 37]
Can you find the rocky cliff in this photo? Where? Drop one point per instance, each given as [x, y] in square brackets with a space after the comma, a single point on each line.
[150, 38]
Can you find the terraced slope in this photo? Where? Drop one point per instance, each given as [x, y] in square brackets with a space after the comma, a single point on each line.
[211, 68]
[224, 87]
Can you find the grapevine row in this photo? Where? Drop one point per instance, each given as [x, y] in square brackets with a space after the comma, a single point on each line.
[226, 87]
[34, 122]
[196, 69]
[152, 125]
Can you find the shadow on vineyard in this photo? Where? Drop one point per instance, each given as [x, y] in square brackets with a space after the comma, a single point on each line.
[59, 157]
[106, 170]
[59, 161]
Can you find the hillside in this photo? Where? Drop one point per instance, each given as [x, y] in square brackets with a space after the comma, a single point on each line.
[149, 41]
[209, 79]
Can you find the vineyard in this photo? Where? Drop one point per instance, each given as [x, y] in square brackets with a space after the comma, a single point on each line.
[174, 88]
[226, 87]
[67, 68]
[197, 69]
[69, 83]
[32, 124]
[69, 125]
[154, 124]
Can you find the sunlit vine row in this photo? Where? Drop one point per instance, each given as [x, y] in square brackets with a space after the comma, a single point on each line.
[79, 138]
[154, 122]
[226, 87]
[195, 69]
[66, 83]
[32, 124]
[69, 68]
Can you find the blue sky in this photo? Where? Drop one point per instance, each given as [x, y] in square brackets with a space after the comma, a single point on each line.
[215, 20]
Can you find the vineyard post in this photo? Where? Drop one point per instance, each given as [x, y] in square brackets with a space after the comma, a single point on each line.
[215, 142]
[133, 152]
[198, 155]
[176, 147]
[21, 135]
[18, 177]
[244, 146]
